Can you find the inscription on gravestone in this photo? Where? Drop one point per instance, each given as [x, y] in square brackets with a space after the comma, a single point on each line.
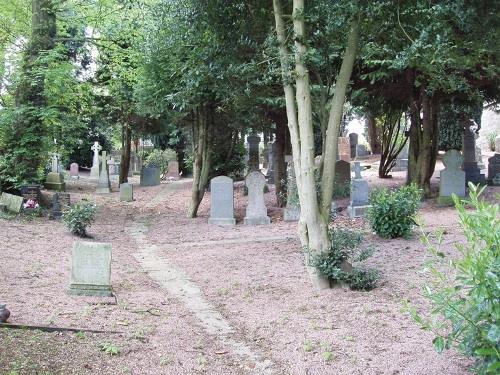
[91, 269]
[31, 192]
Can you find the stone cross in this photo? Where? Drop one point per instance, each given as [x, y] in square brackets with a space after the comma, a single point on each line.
[55, 162]
[104, 185]
[452, 178]
[96, 148]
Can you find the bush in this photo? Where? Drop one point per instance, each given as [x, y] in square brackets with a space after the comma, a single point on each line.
[79, 217]
[159, 159]
[391, 214]
[344, 246]
[464, 292]
[491, 138]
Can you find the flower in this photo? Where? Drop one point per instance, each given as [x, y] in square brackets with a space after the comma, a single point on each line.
[31, 204]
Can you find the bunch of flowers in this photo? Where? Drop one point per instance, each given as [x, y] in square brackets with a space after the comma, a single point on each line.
[31, 204]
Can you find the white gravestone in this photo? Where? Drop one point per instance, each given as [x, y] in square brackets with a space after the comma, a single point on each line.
[126, 192]
[91, 269]
[221, 201]
[256, 213]
[452, 178]
[55, 180]
[104, 185]
[292, 209]
[94, 171]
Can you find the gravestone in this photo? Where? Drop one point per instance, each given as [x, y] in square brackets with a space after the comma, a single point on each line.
[344, 149]
[494, 169]
[470, 167]
[256, 213]
[173, 170]
[253, 152]
[55, 179]
[353, 141]
[221, 201]
[126, 192]
[91, 269]
[342, 172]
[402, 160]
[292, 209]
[150, 176]
[94, 171]
[452, 178]
[265, 156]
[12, 203]
[60, 201]
[103, 185]
[113, 168]
[358, 205]
[497, 144]
[270, 167]
[31, 192]
[361, 151]
[74, 171]
[479, 156]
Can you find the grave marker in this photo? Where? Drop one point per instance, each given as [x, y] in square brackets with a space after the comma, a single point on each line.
[353, 141]
[60, 201]
[256, 213]
[292, 209]
[55, 180]
[173, 170]
[74, 171]
[12, 203]
[31, 192]
[344, 149]
[91, 269]
[253, 152]
[452, 178]
[94, 171]
[358, 206]
[221, 201]
[126, 192]
[104, 185]
[494, 168]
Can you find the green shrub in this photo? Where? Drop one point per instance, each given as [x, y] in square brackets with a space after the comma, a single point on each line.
[345, 247]
[79, 217]
[159, 159]
[391, 214]
[464, 292]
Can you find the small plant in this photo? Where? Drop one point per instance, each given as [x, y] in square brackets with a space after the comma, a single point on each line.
[109, 348]
[344, 246]
[464, 291]
[391, 214]
[491, 138]
[79, 217]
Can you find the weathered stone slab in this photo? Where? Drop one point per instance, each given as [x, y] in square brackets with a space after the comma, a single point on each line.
[150, 176]
[31, 192]
[342, 172]
[470, 167]
[359, 194]
[55, 181]
[256, 213]
[353, 141]
[60, 201]
[253, 153]
[173, 170]
[91, 269]
[452, 178]
[292, 209]
[402, 160]
[126, 192]
[361, 151]
[271, 146]
[493, 168]
[13, 203]
[221, 201]
[344, 149]
[74, 171]
[497, 144]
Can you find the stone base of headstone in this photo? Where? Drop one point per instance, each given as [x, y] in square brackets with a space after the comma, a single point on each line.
[94, 172]
[91, 269]
[444, 201]
[126, 192]
[357, 211]
[221, 221]
[291, 214]
[55, 181]
[260, 220]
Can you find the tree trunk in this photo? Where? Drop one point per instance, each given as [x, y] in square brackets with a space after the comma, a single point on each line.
[373, 136]
[336, 112]
[202, 158]
[29, 135]
[125, 160]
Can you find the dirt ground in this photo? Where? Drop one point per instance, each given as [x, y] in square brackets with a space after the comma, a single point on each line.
[251, 280]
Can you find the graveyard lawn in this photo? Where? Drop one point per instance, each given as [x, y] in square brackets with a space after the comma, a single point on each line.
[252, 278]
